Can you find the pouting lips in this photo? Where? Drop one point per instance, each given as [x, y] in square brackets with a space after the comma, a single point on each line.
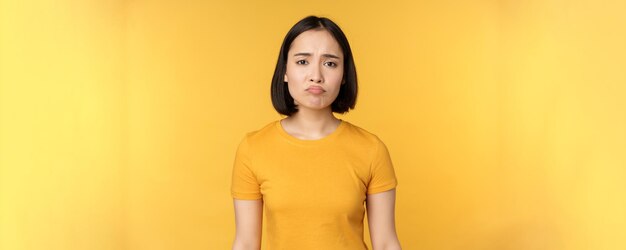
[315, 90]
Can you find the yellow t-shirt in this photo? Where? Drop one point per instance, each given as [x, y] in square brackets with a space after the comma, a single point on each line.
[313, 190]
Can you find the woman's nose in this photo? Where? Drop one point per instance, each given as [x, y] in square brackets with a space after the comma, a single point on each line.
[316, 75]
[315, 80]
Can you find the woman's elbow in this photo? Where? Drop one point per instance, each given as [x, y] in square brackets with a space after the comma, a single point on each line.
[246, 245]
[393, 245]
[243, 245]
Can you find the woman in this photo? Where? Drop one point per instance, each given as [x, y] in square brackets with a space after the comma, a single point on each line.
[311, 170]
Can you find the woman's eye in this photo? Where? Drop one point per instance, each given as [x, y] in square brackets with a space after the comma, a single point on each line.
[301, 62]
[331, 64]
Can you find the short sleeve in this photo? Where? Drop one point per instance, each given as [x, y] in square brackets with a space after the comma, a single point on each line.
[244, 183]
[383, 177]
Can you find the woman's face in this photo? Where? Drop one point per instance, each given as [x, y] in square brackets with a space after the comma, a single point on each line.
[314, 69]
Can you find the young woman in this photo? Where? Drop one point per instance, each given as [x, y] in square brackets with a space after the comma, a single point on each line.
[312, 171]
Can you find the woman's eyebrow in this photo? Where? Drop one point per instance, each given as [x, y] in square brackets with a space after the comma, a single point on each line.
[309, 54]
[330, 55]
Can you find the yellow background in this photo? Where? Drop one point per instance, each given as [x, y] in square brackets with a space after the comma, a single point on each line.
[119, 120]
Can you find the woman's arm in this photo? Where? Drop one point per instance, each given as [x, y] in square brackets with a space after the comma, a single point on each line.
[248, 222]
[381, 218]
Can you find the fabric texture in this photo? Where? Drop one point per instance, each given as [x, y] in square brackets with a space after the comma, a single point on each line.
[313, 190]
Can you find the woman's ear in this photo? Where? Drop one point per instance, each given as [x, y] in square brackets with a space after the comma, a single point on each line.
[285, 78]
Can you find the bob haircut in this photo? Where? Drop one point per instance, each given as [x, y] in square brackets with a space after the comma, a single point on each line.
[346, 99]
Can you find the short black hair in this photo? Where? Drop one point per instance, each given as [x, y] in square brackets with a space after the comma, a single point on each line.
[346, 99]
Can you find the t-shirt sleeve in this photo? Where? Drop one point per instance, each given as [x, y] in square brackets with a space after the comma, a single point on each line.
[383, 176]
[244, 183]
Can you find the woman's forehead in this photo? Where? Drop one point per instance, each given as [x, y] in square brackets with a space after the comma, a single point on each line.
[315, 41]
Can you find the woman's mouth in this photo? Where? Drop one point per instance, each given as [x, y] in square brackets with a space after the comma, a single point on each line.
[315, 90]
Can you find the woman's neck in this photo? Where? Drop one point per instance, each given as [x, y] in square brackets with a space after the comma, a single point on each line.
[311, 124]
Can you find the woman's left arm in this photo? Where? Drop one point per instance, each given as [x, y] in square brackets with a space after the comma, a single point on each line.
[381, 218]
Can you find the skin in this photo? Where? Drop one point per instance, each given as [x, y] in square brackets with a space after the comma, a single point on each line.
[316, 59]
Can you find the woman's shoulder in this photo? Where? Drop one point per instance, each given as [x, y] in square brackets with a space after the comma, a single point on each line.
[264, 132]
[358, 133]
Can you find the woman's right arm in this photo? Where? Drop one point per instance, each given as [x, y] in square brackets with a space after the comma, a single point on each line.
[248, 222]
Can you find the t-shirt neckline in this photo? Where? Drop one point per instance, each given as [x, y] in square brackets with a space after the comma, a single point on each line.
[329, 137]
